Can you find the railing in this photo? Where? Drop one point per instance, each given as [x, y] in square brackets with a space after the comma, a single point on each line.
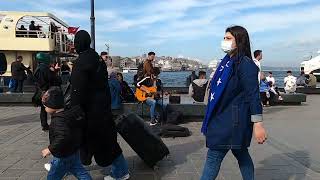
[34, 34]
[62, 43]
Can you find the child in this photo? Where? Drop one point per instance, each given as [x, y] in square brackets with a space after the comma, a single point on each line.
[65, 137]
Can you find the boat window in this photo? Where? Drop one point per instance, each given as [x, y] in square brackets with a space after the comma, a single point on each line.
[38, 27]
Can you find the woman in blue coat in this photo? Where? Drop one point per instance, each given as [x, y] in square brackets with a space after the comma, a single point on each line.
[234, 108]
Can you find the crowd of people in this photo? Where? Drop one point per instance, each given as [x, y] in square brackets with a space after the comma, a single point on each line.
[235, 95]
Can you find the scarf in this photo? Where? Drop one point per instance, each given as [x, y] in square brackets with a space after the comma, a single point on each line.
[217, 86]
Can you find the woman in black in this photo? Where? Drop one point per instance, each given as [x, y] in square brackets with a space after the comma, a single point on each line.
[90, 90]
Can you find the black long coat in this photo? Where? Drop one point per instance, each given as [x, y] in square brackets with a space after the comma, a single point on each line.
[90, 89]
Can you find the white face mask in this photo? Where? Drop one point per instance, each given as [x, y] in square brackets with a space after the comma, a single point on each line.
[226, 46]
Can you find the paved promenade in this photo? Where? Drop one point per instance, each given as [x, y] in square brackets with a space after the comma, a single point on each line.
[291, 153]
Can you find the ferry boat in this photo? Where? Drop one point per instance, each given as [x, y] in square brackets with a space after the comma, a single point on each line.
[312, 65]
[48, 34]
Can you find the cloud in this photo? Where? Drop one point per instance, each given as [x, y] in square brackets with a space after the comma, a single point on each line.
[261, 22]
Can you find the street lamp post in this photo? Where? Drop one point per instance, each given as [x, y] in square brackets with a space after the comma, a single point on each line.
[92, 19]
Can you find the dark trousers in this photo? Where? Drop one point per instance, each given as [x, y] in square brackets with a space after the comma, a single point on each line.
[265, 99]
[43, 117]
[19, 86]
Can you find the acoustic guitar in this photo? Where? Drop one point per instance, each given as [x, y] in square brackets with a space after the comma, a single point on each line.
[142, 95]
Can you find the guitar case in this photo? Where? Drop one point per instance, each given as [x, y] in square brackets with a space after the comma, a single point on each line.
[141, 138]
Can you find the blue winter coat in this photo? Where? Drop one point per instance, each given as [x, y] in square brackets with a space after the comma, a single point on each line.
[115, 91]
[231, 123]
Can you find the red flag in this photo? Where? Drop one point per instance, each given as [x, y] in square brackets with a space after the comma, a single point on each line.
[72, 30]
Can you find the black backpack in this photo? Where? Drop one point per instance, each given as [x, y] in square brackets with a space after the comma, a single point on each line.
[170, 130]
[174, 117]
[199, 92]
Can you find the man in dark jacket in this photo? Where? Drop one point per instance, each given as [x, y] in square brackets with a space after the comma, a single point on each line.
[90, 90]
[45, 78]
[65, 137]
[18, 74]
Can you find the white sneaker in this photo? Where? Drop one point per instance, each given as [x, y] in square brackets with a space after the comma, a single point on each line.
[47, 166]
[126, 177]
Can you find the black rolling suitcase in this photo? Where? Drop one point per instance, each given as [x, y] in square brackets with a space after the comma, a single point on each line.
[149, 147]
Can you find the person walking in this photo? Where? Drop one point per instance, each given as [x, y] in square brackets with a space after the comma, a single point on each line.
[65, 137]
[191, 78]
[45, 77]
[257, 60]
[90, 90]
[19, 74]
[234, 110]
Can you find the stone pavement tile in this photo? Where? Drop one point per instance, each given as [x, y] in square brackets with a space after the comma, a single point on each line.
[16, 173]
[142, 176]
[186, 168]
[230, 176]
[24, 164]
[10, 160]
[8, 178]
[164, 173]
[185, 176]
[33, 175]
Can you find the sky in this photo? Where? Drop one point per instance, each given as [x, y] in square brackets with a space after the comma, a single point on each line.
[287, 31]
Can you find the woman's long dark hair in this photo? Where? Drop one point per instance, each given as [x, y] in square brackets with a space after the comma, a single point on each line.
[242, 40]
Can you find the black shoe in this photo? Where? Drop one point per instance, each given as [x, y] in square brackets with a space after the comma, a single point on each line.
[45, 128]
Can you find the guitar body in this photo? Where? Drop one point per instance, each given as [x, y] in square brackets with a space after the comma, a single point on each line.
[142, 95]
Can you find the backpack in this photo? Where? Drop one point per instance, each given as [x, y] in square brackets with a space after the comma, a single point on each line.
[174, 117]
[199, 92]
[170, 130]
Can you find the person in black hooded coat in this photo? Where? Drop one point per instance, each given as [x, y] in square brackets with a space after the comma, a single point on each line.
[91, 92]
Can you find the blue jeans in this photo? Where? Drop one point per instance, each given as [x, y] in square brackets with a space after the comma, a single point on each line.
[71, 164]
[152, 103]
[215, 157]
[119, 167]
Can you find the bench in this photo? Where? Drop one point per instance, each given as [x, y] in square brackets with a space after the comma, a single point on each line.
[186, 107]
[291, 99]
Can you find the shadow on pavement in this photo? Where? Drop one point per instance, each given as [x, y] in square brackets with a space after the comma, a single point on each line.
[277, 167]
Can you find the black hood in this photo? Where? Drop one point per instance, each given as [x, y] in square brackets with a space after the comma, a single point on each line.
[82, 41]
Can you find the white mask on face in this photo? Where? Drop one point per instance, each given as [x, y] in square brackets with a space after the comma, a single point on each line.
[226, 46]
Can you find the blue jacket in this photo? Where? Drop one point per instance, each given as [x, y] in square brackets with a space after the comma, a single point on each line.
[231, 124]
[115, 91]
